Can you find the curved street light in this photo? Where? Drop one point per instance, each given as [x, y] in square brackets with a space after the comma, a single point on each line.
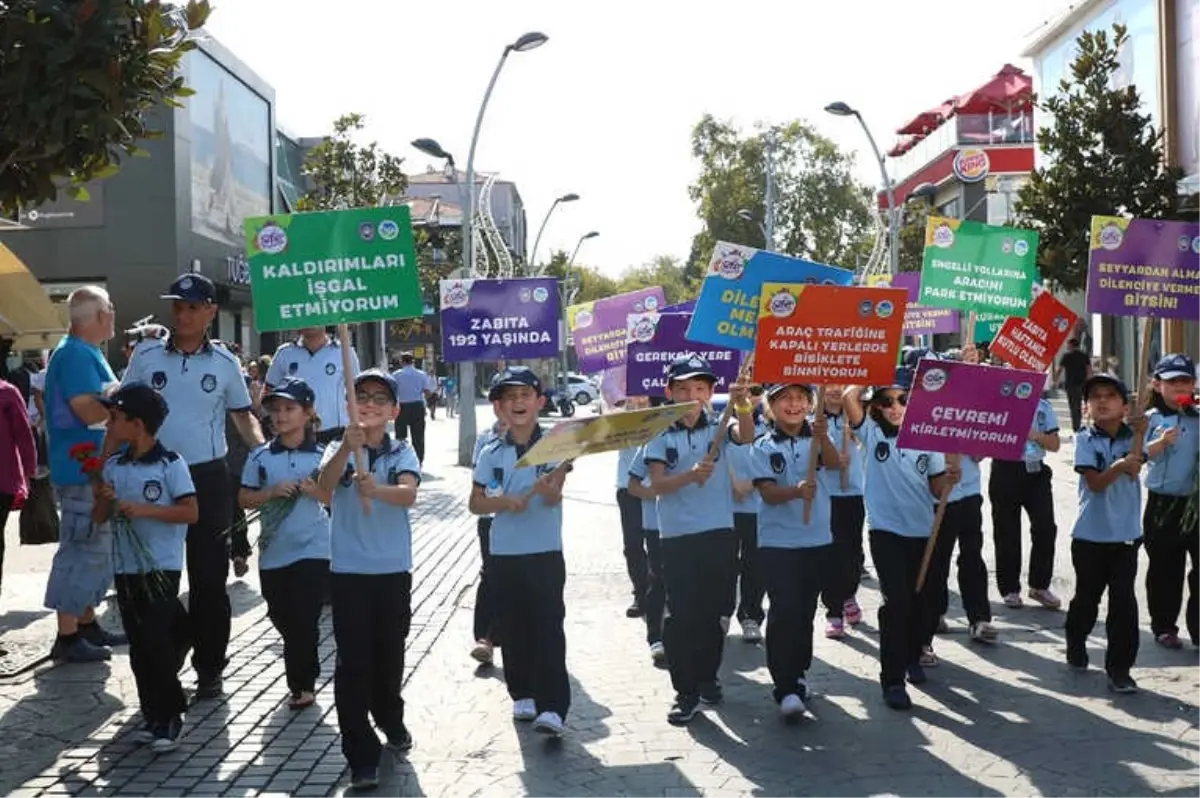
[566, 299]
[841, 109]
[746, 215]
[532, 265]
[466, 377]
[582, 238]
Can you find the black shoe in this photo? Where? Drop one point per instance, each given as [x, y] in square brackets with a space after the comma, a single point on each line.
[1122, 683]
[683, 710]
[364, 779]
[710, 693]
[401, 742]
[1077, 658]
[78, 649]
[635, 610]
[916, 674]
[209, 688]
[896, 697]
[97, 635]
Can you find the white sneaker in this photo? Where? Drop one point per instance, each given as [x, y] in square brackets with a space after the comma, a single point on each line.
[549, 723]
[658, 652]
[524, 709]
[724, 624]
[1013, 601]
[791, 706]
[751, 631]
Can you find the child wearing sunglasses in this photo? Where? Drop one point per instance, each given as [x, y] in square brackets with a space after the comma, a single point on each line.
[901, 485]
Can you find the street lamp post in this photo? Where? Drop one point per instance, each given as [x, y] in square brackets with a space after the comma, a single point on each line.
[531, 267]
[747, 215]
[841, 109]
[566, 301]
[466, 420]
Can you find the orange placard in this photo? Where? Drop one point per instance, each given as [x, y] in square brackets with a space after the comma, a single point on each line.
[1032, 343]
[828, 335]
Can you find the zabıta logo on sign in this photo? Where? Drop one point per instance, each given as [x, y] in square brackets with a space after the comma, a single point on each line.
[271, 238]
[1111, 236]
[971, 165]
[456, 296]
[729, 263]
[782, 305]
[583, 319]
[643, 329]
[934, 380]
[943, 236]
[388, 230]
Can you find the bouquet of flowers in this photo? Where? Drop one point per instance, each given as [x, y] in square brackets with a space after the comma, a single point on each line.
[269, 515]
[145, 565]
[1192, 510]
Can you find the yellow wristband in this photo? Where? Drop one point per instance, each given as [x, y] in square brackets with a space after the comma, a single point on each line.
[743, 408]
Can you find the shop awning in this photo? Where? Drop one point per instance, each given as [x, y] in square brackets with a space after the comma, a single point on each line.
[26, 313]
[1009, 90]
[926, 121]
[902, 146]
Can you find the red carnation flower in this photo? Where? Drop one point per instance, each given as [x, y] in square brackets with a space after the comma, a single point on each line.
[1186, 400]
[92, 465]
[82, 451]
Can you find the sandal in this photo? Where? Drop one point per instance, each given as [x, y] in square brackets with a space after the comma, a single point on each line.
[927, 659]
[302, 700]
[984, 632]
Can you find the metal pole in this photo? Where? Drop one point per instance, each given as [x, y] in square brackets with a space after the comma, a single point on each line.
[769, 204]
[467, 428]
[532, 265]
[893, 216]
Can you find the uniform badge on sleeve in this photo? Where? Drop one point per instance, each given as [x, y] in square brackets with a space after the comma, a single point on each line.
[158, 380]
[923, 464]
[152, 490]
[208, 383]
[778, 462]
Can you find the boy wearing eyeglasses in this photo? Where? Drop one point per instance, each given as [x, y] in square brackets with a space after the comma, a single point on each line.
[370, 582]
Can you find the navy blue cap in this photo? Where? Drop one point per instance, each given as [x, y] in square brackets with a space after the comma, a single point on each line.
[192, 287]
[295, 389]
[137, 400]
[514, 375]
[915, 355]
[902, 381]
[775, 389]
[1105, 379]
[378, 375]
[1174, 366]
[688, 367]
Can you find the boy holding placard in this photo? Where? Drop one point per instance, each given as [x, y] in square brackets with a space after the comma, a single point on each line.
[1104, 549]
[695, 511]
[528, 570]
[796, 551]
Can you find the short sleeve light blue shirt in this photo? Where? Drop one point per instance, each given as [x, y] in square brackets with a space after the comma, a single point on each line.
[741, 459]
[1045, 420]
[411, 383]
[693, 508]
[1114, 514]
[322, 370]
[380, 543]
[783, 460]
[200, 388]
[1174, 471]
[539, 528]
[158, 477]
[303, 534]
[831, 479]
[638, 471]
[970, 484]
[897, 496]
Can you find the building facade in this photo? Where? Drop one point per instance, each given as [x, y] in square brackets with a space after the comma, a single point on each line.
[180, 209]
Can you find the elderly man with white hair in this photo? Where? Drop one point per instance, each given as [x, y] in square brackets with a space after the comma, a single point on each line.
[76, 377]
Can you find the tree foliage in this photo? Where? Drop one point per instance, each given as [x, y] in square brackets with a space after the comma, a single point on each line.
[340, 173]
[821, 212]
[78, 79]
[912, 236]
[1105, 158]
[588, 283]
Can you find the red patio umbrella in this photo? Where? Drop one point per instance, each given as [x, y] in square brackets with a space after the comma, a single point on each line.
[1008, 90]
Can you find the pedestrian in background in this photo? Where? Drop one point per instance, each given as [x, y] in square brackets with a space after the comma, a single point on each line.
[18, 455]
[411, 384]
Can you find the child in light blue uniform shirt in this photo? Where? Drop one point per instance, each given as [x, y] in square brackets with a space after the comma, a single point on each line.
[794, 552]
[1026, 484]
[654, 602]
[293, 549]
[1106, 535]
[147, 493]
[746, 588]
[900, 488]
[847, 514]
[528, 570]
[695, 513]
[371, 574]
[633, 537]
[487, 636]
[1173, 448]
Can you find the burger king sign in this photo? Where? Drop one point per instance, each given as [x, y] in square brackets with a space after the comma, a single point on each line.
[971, 165]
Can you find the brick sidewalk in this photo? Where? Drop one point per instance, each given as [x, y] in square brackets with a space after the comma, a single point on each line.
[1008, 719]
[247, 742]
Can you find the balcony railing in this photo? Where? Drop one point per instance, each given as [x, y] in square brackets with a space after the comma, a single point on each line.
[971, 130]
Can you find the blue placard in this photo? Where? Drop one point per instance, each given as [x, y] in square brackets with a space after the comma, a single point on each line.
[726, 312]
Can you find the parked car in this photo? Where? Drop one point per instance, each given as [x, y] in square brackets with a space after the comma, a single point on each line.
[582, 390]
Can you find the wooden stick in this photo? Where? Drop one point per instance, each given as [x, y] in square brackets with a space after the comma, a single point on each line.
[969, 333]
[814, 453]
[715, 446]
[360, 457]
[845, 449]
[1142, 386]
[931, 544]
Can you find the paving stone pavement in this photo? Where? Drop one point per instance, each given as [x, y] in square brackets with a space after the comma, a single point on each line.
[63, 729]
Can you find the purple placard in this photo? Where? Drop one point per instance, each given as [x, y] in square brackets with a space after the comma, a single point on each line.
[599, 327]
[499, 319]
[920, 319]
[655, 340]
[962, 408]
[612, 385]
[682, 307]
[1144, 267]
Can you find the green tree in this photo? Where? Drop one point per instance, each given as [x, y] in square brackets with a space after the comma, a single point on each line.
[821, 212]
[664, 271]
[1105, 158]
[584, 283]
[341, 173]
[912, 236]
[78, 80]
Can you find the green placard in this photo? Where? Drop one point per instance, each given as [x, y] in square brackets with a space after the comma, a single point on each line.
[974, 266]
[332, 267]
[987, 325]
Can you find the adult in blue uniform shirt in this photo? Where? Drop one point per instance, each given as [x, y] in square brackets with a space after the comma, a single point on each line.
[412, 385]
[201, 383]
[316, 358]
[76, 379]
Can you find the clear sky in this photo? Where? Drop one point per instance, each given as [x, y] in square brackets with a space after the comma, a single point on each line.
[605, 108]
